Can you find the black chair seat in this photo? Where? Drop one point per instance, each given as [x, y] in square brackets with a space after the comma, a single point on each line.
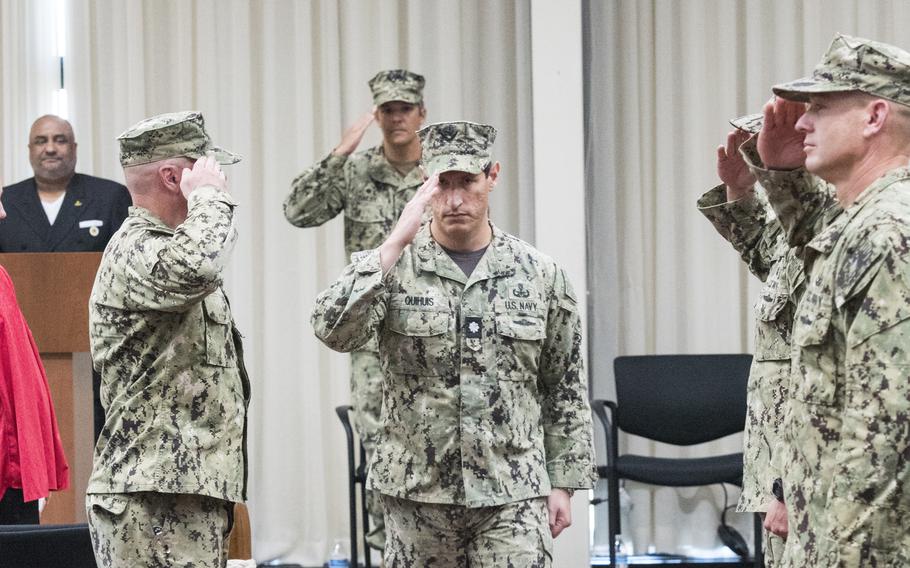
[682, 472]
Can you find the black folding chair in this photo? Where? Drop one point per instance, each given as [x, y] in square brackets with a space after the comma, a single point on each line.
[357, 475]
[675, 399]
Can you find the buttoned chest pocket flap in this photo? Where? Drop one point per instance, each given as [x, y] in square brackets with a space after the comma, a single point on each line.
[417, 342]
[772, 325]
[367, 223]
[217, 330]
[816, 369]
[519, 342]
[368, 204]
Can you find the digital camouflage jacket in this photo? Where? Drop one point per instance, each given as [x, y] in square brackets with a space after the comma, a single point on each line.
[173, 386]
[485, 396]
[848, 478]
[365, 186]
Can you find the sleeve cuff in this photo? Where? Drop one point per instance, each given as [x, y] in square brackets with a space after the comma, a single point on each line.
[208, 193]
[714, 197]
[723, 214]
[334, 162]
[571, 476]
[366, 261]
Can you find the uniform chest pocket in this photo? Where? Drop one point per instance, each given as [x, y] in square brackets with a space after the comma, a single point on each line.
[519, 341]
[219, 346]
[368, 204]
[417, 343]
[816, 371]
[772, 326]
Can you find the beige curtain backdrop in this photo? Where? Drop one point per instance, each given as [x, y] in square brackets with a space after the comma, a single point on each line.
[662, 78]
[278, 81]
[29, 77]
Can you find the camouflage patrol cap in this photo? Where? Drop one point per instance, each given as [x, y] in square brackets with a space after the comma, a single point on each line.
[460, 146]
[855, 64]
[397, 85]
[750, 123]
[170, 135]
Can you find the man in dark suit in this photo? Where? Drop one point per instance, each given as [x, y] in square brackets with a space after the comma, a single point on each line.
[59, 210]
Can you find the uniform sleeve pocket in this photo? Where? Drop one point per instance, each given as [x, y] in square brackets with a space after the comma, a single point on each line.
[872, 320]
[217, 330]
[885, 304]
[216, 308]
[518, 345]
[525, 327]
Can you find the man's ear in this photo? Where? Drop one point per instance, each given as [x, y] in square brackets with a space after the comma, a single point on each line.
[877, 113]
[493, 176]
[169, 175]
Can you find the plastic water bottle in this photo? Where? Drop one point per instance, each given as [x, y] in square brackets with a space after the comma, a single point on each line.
[619, 545]
[339, 556]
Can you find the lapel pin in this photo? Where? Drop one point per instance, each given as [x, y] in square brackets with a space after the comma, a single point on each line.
[78, 203]
[94, 231]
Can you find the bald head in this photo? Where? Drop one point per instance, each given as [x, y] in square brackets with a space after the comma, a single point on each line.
[148, 178]
[156, 187]
[52, 149]
[53, 119]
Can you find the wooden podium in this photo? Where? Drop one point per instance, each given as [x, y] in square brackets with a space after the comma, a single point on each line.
[53, 291]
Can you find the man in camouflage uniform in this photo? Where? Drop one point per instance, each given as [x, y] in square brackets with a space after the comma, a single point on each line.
[486, 424]
[742, 215]
[371, 188]
[171, 459]
[847, 479]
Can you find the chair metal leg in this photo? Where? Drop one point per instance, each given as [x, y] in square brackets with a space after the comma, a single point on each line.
[342, 412]
[613, 515]
[364, 513]
[759, 552]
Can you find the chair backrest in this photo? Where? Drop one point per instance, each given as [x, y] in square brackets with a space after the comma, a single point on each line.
[681, 399]
[46, 546]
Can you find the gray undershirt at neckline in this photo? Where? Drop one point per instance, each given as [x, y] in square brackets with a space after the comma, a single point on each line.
[466, 261]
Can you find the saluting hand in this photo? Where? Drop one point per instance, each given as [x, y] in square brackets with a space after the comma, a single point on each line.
[352, 136]
[780, 145]
[732, 168]
[409, 223]
[206, 171]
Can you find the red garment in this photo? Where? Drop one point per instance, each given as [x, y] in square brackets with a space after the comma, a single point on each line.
[31, 454]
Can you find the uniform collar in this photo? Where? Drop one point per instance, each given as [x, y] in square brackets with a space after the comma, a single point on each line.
[495, 261]
[146, 217]
[824, 242]
[382, 171]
